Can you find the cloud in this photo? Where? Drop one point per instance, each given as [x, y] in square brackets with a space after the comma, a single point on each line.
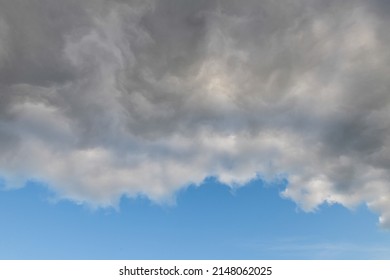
[304, 249]
[102, 99]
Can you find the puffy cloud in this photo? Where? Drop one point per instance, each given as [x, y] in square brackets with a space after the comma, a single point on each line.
[108, 98]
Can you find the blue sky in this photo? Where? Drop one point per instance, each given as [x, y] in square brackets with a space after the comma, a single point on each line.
[208, 222]
[142, 129]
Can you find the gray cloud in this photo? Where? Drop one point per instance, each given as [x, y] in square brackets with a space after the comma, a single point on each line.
[108, 98]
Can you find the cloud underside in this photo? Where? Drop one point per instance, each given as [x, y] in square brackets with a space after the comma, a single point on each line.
[102, 99]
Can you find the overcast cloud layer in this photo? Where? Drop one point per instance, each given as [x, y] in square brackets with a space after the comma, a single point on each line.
[108, 98]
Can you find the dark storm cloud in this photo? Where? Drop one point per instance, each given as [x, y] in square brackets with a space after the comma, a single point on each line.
[108, 98]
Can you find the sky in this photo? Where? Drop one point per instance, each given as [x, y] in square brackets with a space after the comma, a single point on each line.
[206, 222]
[194, 129]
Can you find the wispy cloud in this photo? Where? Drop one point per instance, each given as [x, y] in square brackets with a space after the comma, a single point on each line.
[301, 248]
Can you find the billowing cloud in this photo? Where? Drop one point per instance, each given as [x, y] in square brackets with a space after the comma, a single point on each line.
[105, 98]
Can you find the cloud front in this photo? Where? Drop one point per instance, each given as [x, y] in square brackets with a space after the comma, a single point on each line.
[104, 99]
